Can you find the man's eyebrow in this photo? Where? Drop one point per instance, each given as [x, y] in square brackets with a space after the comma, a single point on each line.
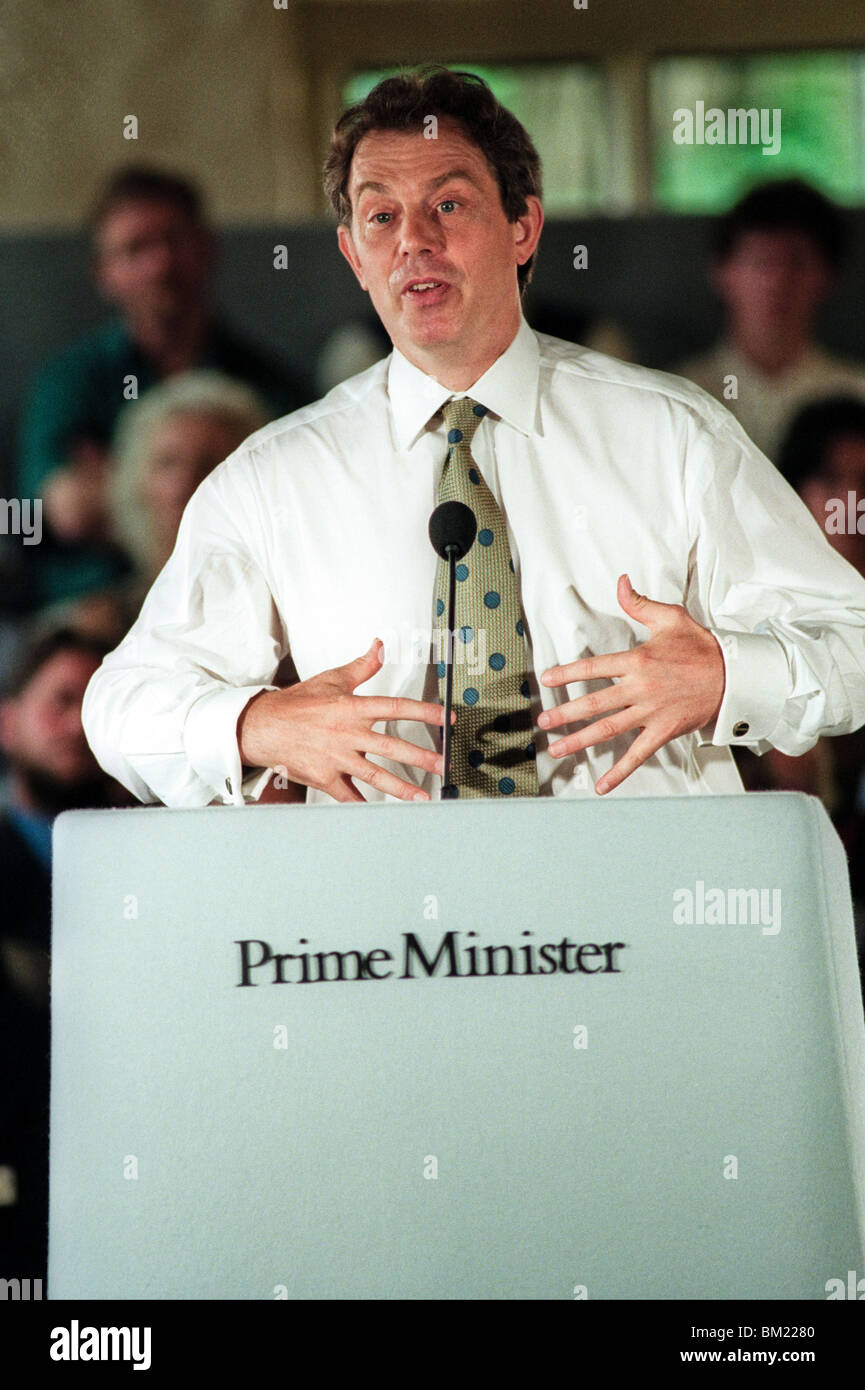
[453, 174]
[371, 186]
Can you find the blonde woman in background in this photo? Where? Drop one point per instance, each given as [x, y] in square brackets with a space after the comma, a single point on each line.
[165, 445]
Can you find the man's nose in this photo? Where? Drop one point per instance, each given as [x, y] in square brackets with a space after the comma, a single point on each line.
[420, 232]
[780, 273]
[157, 257]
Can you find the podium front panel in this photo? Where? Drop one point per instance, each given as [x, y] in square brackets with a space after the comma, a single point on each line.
[530, 1049]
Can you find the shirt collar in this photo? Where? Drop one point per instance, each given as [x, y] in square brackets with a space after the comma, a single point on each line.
[509, 389]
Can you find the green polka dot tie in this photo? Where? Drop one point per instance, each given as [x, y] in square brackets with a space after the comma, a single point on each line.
[492, 749]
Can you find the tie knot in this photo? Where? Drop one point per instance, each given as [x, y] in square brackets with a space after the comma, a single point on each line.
[462, 418]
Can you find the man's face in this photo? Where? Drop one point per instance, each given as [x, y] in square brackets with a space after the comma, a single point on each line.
[151, 259]
[430, 242]
[777, 279]
[842, 472]
[40, 729]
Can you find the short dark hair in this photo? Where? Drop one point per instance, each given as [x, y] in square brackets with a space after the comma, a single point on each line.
[406, 101]
[785, 205]
[143, 183]
[814, 430]
[38, 648]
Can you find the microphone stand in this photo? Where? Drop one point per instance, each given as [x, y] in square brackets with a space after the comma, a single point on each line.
[452, 530]
[449, 792]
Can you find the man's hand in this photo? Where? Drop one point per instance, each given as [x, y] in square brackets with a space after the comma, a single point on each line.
[75, 496]
[670, 685]
[318, 731]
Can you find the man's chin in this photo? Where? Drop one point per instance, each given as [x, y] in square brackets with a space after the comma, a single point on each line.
[167, 307]
[428, 332]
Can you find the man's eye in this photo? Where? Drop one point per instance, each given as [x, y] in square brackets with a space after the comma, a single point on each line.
[377, 217]
[448, 205]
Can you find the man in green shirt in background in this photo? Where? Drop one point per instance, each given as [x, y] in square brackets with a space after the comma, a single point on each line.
[153, 257]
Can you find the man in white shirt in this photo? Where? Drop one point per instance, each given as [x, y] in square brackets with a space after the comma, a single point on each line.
[310, 541]
[778, 253]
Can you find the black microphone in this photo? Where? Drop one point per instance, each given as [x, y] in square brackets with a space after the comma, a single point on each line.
[453, 527]
[452, 530]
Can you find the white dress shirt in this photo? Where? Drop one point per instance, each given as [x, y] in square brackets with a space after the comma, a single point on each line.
[312, 539]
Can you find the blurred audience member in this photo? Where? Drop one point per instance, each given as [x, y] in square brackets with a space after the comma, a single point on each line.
[350, 348]
[823, 457]
[165, 445]
[580, 326]
[50, 765]
[102, 615]
[50, 768]
[777, 256]
[153, 257]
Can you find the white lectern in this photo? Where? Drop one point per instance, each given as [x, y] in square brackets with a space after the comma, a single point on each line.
[530, 1049]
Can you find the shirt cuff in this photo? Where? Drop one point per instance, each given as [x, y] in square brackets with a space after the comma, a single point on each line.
[210, 743]
[757, 687]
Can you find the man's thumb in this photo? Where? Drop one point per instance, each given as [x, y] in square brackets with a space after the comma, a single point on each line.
[363, 668]
[647, 611]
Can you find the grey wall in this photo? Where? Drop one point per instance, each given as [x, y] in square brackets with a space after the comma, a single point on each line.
[647, 273]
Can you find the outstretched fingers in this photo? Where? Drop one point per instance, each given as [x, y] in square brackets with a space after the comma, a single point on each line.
[385, 782]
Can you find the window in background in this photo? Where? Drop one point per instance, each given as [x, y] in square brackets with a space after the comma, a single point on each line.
[821, 97]
[563, 106]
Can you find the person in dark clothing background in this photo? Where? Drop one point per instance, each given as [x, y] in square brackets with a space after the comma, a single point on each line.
[49, 768]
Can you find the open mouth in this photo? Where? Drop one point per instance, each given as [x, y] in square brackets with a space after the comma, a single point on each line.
[426, 291]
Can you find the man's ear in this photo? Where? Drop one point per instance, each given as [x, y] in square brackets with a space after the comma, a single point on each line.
[527, 229]
[347, 247]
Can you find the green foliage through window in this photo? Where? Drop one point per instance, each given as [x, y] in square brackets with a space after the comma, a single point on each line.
[821, 100]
